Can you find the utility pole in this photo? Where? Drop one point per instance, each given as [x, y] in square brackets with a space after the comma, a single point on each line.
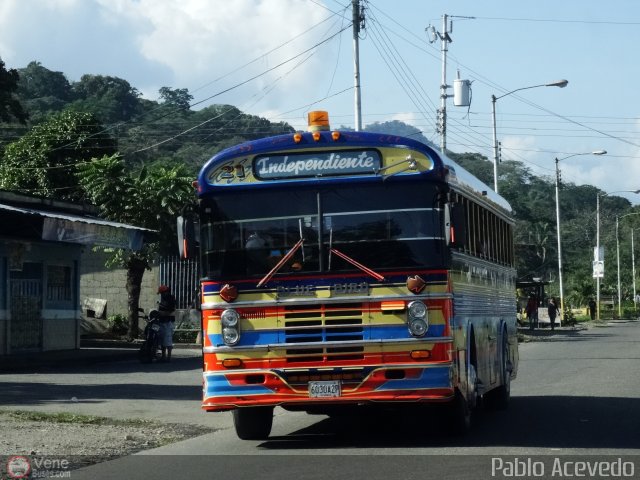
[445, 39]
[559, 241]
[358, 22]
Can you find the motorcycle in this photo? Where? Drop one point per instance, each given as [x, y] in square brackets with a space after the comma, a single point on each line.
[151, 337]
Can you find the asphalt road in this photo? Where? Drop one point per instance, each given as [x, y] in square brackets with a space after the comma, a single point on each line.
[577, 393]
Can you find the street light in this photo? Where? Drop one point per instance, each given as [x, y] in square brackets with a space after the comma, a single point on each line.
[598, 242]
[633, 267]
[558, 160]
[559, 83]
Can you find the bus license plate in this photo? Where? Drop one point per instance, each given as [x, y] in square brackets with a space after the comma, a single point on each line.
[324, 389]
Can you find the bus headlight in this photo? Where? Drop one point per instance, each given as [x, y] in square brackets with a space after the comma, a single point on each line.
[231, 336]
[417, 310]
[418, 327]
[230, 320]
[417, 319]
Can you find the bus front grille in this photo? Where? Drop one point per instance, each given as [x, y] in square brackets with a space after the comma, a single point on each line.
[323, 323]
[300, 378]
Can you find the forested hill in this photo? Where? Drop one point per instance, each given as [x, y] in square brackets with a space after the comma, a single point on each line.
[141, 128]
[41, 111]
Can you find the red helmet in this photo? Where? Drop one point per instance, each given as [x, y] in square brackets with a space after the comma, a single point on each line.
[163, 289]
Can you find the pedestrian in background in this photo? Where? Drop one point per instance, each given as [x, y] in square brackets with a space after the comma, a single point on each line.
[552, 309]
[532, 312]
[592, 309]
[166, 309]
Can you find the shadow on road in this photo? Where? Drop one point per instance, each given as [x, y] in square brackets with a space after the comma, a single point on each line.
[81, 362]
[546, 422]
[85, 391]
[47, 393]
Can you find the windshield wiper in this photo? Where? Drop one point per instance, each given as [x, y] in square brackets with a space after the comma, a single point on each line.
[412, 165]
[301, 237]
[366, 270]
[281, 263]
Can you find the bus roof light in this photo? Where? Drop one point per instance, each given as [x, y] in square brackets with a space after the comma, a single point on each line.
[335, 135]
[318, 120]
[316, 136]
[297, 137]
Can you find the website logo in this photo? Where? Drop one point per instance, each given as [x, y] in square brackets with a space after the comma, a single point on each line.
[18, 467]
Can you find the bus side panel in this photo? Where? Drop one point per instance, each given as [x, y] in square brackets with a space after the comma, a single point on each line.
[484, 304]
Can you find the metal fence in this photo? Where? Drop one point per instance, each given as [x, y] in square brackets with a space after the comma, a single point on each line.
[26, 314]
[183, 278]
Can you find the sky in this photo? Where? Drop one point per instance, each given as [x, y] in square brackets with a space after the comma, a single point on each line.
[280, 59]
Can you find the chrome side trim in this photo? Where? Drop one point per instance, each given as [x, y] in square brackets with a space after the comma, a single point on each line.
[321, 300]
[316, 345]
[321, 370]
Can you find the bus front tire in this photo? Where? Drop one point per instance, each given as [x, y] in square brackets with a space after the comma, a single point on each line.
[460, 415]
[498, 398]
[253, 423]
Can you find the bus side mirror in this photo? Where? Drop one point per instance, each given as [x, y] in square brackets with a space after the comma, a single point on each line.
[186, 237]
[455, 225]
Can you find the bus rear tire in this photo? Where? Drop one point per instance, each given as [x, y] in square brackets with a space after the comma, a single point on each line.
[253, 423]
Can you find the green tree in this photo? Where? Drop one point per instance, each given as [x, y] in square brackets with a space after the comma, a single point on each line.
[37, 81]
[396, 127]
[150, 198]
[43, 91]
[41, 162]
[111, 99]
[10, 106]
[178, 98]
[475, 164]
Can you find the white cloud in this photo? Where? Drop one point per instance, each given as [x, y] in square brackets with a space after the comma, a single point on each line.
[521, 149]
[410, 118]
[200, 41]
[178, 43]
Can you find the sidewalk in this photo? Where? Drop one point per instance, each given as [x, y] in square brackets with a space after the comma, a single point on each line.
[91, 351]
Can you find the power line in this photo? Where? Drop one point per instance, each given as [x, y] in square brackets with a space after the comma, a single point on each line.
[555, 20]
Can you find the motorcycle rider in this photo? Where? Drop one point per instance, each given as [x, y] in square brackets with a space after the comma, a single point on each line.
[166, 309]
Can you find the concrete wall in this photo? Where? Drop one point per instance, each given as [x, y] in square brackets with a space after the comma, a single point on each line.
[60, 333]
[110, 284]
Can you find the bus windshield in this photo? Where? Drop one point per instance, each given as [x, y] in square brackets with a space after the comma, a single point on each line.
[389, 226]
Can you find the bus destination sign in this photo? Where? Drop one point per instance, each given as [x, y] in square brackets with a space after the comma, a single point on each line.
[316, 164]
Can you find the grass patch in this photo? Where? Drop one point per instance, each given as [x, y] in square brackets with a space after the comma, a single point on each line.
[72, 418]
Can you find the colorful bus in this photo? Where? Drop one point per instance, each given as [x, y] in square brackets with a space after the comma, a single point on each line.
[347, 269]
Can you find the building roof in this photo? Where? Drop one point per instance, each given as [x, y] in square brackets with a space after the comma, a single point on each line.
[54, 220]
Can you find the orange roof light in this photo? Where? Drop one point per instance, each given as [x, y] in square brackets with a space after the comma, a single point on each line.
[316, 136]
[335, 135]
[297, 137]
[318, 120]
